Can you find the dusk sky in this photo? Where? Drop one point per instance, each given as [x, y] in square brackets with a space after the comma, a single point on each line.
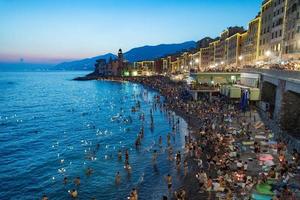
[51, 31]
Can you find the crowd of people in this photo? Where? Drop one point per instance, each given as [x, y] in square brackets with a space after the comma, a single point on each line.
[228, 153]
[235, 155]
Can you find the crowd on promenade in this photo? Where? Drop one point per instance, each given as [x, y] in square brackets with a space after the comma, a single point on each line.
[234, 156]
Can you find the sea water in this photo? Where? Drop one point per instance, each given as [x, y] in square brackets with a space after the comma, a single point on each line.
[50, 126]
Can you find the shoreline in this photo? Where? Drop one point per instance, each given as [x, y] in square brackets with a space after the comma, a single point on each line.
[172, 92]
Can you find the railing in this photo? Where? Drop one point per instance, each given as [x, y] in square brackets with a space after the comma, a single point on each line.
[273, 72]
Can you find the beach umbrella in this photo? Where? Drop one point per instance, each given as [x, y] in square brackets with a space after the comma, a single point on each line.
[265, 157]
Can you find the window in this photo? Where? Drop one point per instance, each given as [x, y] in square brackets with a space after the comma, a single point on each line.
[272, 35]
[294, 7]
[280, 33]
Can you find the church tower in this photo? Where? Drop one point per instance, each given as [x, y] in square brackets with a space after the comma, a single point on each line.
[120, 61]
[120, 55]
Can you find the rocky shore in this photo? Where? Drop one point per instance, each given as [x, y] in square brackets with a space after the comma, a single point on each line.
[230, 154]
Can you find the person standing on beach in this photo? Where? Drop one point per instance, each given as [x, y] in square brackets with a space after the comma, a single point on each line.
[202, 178]
[209, 185]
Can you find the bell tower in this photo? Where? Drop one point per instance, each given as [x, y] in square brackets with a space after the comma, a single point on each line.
[120, 60]
[120, 55]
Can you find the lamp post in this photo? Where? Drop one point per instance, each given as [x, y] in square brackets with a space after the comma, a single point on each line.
[268, 55]
[240, 60]
[197, 63]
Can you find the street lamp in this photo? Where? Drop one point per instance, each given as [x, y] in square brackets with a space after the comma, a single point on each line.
[240, 59]
[268, 53]
[197, 60]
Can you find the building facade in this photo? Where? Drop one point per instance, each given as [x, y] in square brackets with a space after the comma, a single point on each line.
[272, 39]
[291, 38]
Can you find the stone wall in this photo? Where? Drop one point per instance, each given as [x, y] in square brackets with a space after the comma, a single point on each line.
[290, 113]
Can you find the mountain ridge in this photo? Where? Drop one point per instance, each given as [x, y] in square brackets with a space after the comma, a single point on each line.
[147, 52]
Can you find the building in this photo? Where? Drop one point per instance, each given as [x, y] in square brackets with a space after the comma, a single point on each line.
[250, 46]
[266, 31]
[158, 66]
[113, 67]
[212, 51]
[101, 67]
[221, 46]
[144, 67]
[272, 40]
[243, 48]
[234, 51]
[277, 29]
[175, 65]
[196, 61]
[291, 38]
[205, 58]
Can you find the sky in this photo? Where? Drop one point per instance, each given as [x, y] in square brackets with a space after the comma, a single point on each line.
[52, 31]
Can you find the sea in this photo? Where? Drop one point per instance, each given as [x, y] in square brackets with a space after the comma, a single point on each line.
[52, 127]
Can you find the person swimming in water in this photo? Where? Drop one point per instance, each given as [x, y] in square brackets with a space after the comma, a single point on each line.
[160, 141]
[119, 155]
[45, 197]
[127, 155]
[178, 158]
[77, 181]
[118, 178]
[65, 180]
[133, 194]
[154, 156]
[170, 152]
[169, 181]
[73, 193]
[168, 139]
[89, 171]
[97, 147]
